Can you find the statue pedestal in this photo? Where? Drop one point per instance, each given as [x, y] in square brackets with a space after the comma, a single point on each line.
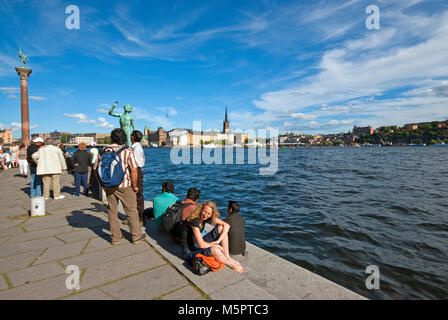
[24, 74]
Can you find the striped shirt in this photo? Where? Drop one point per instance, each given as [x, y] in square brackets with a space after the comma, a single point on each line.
[128, 162]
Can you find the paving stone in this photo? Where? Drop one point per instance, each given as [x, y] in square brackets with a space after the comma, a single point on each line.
[97, 244]
[40, 244]
[3, 284]
[17, 262]
[102, 256]
[58, 253]
[34, 235]
[92, 294]
[84, 235]
[242, 290]
[185, 293]
[293, 282]
[48, 289]
[117, 269]
[35, 273]
[41, 223]
[8, 232]
[148, 285]
[81, 219]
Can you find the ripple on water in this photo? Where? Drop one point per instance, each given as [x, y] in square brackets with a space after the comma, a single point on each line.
[336, 210]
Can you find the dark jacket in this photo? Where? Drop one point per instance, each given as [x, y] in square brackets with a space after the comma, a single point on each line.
[80, 157]
[237, 239]
[29, 152]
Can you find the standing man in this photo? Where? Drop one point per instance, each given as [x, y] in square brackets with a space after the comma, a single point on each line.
[50, 165]
[35, 180]
[136, 137]
[125, 192]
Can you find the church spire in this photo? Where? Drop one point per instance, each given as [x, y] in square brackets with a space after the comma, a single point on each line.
[226, 115]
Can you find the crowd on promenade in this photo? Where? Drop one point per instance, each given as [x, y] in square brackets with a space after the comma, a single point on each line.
[45, 161]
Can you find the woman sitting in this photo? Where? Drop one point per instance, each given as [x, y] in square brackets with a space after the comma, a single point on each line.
[213, 244]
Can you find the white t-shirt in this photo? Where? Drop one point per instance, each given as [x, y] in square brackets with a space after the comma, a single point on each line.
[94, 152]
[139, 154]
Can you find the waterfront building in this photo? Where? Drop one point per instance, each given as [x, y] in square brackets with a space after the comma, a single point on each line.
[415, 126]
[358, 131]
[156, 137]
[56, 135]
[178, 137]
[77, 138]
[226, 124]
[6, 136]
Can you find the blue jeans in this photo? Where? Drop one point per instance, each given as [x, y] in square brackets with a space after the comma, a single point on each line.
[81, 178]
[35, 183]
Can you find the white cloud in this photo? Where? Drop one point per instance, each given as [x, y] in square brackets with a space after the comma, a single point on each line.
[358, 70]
[37, 98]
[101, 110]
[82, 118]
[16, 126]
[9, 90]
[103, 123]
[303, 116]
[168, 110]
[12, 96]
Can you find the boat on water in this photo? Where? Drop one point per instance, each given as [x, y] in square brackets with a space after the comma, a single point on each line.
[441, 144]
[210, 145]
[254, 145]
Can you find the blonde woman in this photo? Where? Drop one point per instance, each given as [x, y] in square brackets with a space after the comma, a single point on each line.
[213, 244]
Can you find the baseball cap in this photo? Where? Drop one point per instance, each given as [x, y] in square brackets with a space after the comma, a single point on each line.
[38, 139]
[92, 143]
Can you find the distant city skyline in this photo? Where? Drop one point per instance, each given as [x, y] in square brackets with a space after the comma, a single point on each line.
[305, 67]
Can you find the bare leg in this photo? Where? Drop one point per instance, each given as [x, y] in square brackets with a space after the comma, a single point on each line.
[225, 245]
[219, 255]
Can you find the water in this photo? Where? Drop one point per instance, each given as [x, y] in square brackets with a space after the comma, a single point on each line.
[335, 211]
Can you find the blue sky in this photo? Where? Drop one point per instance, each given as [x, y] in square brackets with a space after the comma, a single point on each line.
[304, 66]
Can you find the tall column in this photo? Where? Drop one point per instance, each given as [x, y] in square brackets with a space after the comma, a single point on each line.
[24, 74]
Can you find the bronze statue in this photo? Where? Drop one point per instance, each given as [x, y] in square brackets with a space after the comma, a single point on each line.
[23, 58]
[126, 120]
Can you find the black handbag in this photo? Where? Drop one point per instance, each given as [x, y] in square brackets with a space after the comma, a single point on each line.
[200, 267]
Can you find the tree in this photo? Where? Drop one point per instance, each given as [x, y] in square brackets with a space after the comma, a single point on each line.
[107, 140]
[64, 138]
[1, 140]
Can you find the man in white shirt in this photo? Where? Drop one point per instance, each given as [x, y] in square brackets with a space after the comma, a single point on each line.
[136, 137]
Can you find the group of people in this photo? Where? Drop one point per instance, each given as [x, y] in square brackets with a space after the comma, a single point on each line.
[47, 161]
[16, 157]
[225, 239]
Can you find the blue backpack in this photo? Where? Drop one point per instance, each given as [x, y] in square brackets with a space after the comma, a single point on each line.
[110, 168]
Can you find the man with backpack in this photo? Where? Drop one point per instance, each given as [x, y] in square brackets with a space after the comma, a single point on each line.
[163, 201]
[186, 207]
[117, 173]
